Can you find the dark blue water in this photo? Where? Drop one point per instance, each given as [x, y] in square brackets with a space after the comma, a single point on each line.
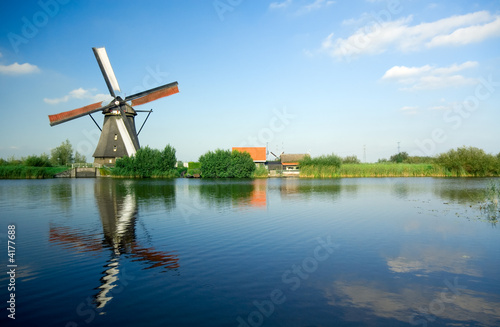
[277, 252]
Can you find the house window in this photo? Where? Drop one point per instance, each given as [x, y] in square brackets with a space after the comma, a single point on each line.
[110, 160]
[116, 137]
[114, 148]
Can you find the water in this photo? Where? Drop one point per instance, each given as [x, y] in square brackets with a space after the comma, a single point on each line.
[277, 252]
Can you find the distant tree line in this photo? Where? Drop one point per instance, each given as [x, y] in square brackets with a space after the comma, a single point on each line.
[463, 161]
[60, 156]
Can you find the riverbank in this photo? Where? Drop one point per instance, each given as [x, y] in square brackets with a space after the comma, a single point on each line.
[28, 172]
[383, 170]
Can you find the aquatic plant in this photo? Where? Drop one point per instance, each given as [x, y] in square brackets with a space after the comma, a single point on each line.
[490, 206]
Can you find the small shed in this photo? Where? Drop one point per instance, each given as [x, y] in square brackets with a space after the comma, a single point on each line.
[291, 161]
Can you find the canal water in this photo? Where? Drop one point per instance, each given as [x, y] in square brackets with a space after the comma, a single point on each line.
[276, 252]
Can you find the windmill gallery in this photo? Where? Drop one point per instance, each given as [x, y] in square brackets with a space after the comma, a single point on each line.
[119, 137]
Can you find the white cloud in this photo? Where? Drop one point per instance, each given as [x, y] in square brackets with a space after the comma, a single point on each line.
[466, 35]
[17, 69]
[312, 6]
[430, 78]
[409, 110]
[441, 107]
[1, 55]
[280, 5]
[380, 36]
[80, 94]
[317, 4]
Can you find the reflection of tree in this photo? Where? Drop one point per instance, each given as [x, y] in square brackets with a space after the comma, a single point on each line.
[457, 192]
[331, 189]
[62, 194]
[223, 193]
[148, 191]
[117, 203]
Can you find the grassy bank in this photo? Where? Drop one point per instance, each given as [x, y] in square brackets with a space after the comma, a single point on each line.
[27, 172]
[380, 170]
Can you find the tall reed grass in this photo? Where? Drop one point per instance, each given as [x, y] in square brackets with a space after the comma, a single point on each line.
[23, 172]
[374, 170]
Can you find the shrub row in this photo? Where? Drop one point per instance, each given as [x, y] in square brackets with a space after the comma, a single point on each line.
[226, 164]
[148, 162]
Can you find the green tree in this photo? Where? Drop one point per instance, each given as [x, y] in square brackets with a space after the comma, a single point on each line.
[80, 158]
[399, 157]
[351, 160]
[226, 164]
[37, 161]
[62, 155]
[469, 160]
[168, 159]
[242, 165]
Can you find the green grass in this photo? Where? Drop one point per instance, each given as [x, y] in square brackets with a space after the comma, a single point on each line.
[27, 172]
[374, 170]
[260, 172]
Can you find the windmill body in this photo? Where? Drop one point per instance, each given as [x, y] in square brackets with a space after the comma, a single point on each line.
[115, 142]
[118, 135]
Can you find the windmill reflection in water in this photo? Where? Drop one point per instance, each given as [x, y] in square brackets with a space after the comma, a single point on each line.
[118, 212]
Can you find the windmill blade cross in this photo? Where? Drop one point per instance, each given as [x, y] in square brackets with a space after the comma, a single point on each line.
[153, 94]
[106, 70]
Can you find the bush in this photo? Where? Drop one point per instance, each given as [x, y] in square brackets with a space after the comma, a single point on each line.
[194, 165]
[331, 160]
[226, 164]
[242, 165]
[419, 160]
[148, 162]
[469, 161]
[351, 160]
[260, 172]
[399, 157]
[37, 161]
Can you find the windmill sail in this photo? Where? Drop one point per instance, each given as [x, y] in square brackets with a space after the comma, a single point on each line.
[153, 94]
[106, 70]
[75, 113]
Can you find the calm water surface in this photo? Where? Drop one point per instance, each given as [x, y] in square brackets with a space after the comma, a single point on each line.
[277, 252]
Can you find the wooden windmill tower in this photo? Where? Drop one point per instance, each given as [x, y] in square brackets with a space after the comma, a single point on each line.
[118, 134]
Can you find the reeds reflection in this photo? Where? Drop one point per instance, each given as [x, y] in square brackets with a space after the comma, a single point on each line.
[117, 201]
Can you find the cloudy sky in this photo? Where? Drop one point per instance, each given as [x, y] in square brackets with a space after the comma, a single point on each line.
[313, 76]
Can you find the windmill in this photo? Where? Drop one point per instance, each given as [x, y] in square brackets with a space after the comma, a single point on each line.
[118, 134]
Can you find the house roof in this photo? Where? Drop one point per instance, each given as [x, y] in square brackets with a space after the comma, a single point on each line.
[258, 154]
[291, 159]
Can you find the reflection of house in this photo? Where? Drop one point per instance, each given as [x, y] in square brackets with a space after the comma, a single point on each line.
[258, 154]
[290, 162]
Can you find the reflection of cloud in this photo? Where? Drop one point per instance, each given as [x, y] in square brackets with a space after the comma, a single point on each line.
[468, 306]
[431, 259]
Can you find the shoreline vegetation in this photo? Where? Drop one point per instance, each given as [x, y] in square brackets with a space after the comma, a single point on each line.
[462, 162]
[153, 163]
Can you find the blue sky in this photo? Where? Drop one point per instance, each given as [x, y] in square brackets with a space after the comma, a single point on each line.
[313, 76]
